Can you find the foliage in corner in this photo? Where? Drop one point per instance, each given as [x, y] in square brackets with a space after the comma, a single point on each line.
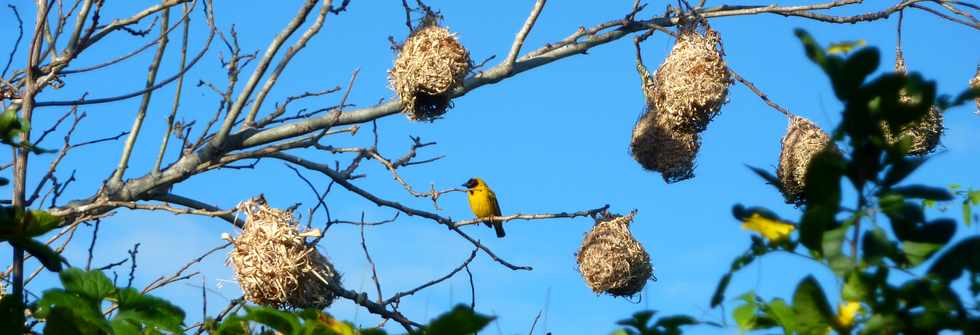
[77, 308]
[639, 324]
[874, 168]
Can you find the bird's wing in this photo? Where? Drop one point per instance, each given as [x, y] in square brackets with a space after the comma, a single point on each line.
[493, 203]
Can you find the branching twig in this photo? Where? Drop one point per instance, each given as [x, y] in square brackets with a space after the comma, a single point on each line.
[515, 48]
[374, 269]
[397, 297]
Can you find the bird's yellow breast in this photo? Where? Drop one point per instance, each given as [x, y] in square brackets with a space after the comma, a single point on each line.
[483, 202]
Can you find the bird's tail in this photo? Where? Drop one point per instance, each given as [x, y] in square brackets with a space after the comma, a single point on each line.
[499, 227]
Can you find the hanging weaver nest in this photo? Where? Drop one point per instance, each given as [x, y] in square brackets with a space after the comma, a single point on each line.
[975, 84]
[274, 264]
[430, 64]
[923, 134]
[692, 83]
[802, 141]
[658, 149]
[611, 260]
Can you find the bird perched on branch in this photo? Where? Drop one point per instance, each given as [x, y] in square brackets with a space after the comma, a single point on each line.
[483, 202]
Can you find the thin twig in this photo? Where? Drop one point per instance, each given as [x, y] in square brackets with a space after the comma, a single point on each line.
[91, 246]
[763, 96]
[397, 297]
[515, 48]
[374, 269]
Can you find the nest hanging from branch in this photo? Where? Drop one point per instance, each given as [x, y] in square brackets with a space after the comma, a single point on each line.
[692, 83]
[803, 140]
[611, 260]
[274, 264]
[923, 134]
[655, 145]
[657, 148]
[430, 64]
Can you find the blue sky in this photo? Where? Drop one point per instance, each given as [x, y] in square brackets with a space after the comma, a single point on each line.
[549, 140]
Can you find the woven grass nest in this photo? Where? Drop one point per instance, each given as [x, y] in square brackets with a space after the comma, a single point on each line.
[274, 264]
[692, 83]
[430, 64]
[611, 260]
[802, 141]
[923, 134]
[657, 148]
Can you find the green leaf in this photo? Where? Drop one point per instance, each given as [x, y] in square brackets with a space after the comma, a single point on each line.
[92, 285]
[670, 325]
[924, 192]
[459, 321]
[745, 316]
[282, 322]
[883, 324]
[68, 313]
[44, 254]
[967, 213]
[815, 220]
[875, 246]
[833, 240]
[810, 46]
[232, 325]
[963, 97]
[41, 222]
[11, 313]
[901, 169]
[719, 294]
[905, 219]
[813, 313]
[858, 286]
[63, 321]
[768, 177]
[639, 321]
[918, 252]
[125, 326]
[856, 69]
[150, 311]
[822, 198]
[840, 264]
[963, 256]
[783, 314]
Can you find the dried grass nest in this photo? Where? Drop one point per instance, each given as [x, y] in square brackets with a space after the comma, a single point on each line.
[659, 149]
[803, 140]
[611, 260]
[274, 264]
[923, 134]
[692, 83]
[430, 64]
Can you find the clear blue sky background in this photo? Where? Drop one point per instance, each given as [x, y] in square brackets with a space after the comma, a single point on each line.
[553, 139]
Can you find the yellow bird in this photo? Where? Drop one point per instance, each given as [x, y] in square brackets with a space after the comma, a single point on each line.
[483, 202]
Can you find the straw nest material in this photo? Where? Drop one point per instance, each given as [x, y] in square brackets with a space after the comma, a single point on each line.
[923, 134]
[657, 148]
[430, 64]
[802, 141]
[274, 264]
[692, 83]
[611, 260]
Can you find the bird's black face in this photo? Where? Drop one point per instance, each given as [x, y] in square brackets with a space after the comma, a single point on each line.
[470, 183]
